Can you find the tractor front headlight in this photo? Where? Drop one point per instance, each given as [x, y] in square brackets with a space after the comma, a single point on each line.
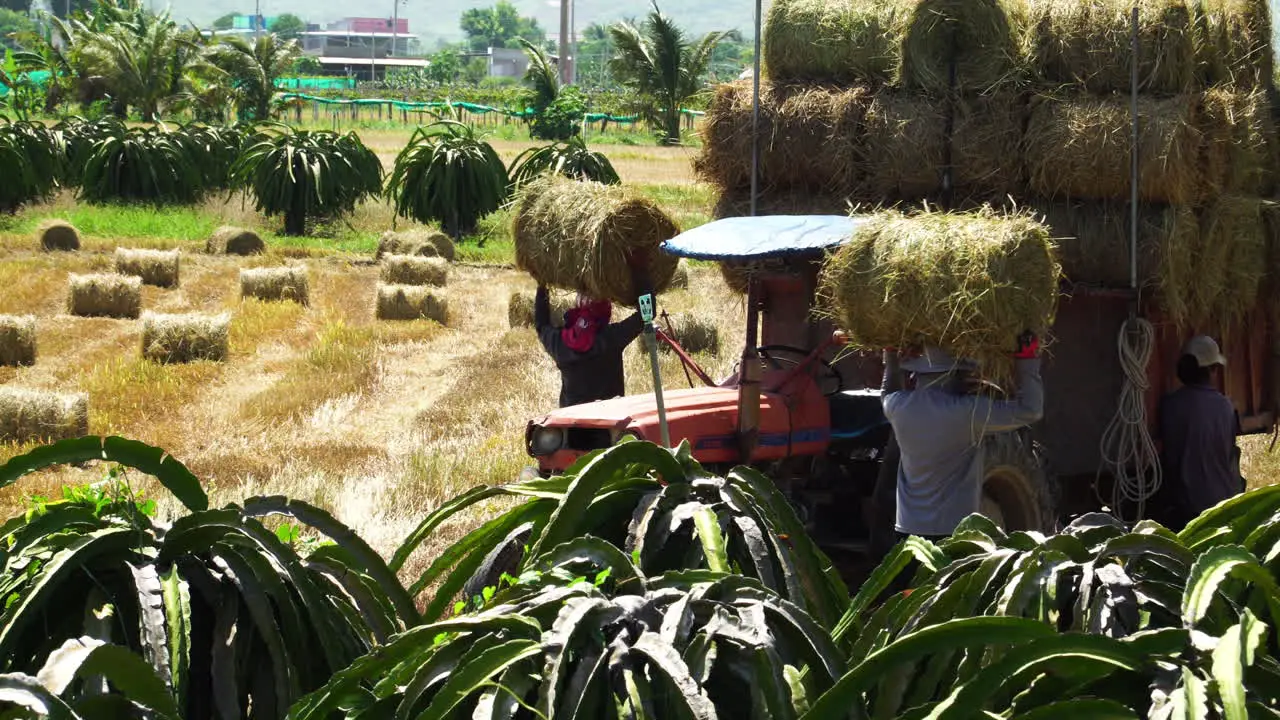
[546, 441]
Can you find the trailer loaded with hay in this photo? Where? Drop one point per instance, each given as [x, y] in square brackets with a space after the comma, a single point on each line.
[1028, 108]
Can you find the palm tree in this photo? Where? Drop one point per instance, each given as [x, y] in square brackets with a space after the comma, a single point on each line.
[656, 61]
[541, 76]
[143, 60]
[252, 69]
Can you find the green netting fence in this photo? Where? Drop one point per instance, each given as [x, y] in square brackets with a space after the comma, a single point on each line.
[316, 83]
[473, 108]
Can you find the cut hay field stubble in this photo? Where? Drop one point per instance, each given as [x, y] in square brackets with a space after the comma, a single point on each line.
[379, 422]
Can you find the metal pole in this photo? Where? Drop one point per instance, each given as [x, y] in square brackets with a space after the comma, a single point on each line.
[565, 75]
[373, 58]
[1133, 156]
[257, 19]
[755, 114]
[651, 339]
[395, 20]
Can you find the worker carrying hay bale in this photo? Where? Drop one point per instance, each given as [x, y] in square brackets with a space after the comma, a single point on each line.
[17, 340]
[185, 338]
[414, 270]
[970, 283]
[228, 240]
[592, 238]
[520, 309]
[276, 283]
[155, 267]
[693, 334]
[427, 243]
[58, 235]
[412, 302]
[36, 415]
[104, 295]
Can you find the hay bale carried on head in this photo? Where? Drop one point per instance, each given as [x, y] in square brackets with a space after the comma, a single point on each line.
[228, 240]
[520, 309]
[810, 137]
[104, 295]
[412, 302]
[414, 270]
[31, 415]
[835, 41]
[693, 334]
[17, 340]
[58, 235]
[185, 338]
[1080, 148]
[154, 267]
[1234, 43]
[969, 283]
[276, 283]
[584, 236]
[1088, 45]
[983, 38]
[427, 243]
[680, 280]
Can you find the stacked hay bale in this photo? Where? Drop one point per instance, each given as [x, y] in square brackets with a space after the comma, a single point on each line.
[414, 270]
[427, 243]
[1024, 104]
[276, 283]
[412, 302]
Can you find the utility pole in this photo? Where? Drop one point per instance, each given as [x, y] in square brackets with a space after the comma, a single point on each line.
[566, 69]
[257, 19]
[395, 22]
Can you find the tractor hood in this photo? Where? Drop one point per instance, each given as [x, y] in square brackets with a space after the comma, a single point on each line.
[642, 410]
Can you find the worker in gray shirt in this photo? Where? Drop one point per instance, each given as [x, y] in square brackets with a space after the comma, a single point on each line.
[939, 427]
[1198, 427]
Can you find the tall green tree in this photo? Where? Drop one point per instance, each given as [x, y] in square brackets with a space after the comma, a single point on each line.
[499, 26]
[144, 60]
[252, 69]
[226, 22]
[656, 61]
[13, 23]
[288, 26]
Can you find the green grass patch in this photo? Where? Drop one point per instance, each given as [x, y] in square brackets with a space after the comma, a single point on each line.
[126, 221]
[689, 205]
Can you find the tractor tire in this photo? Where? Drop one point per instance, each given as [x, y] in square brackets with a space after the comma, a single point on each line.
[1018, 493]
[503, 559]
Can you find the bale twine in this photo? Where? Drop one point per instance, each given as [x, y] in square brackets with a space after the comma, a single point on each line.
[185, 338]
[17, 340]
[1239, 142]
[414, 270]
[584, 235]
[154, 267]
[58, 235]
[427, 243]
[835, 41]
[104, 295]
[694, 334]
[984, 39]
[520, 309]
[1234, 43]
[1088, 45]
[680, 280]
[412, 302]
[276, 283]
[969, 283]
[35, 415]
[810, 137]
[1080, 148]
[228, 240]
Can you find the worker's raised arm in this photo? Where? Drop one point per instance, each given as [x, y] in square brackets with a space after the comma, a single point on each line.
[892, 380]
[541, 308]
[621, 334]
[995, 416]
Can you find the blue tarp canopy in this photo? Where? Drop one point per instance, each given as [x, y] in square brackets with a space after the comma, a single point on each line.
[767, 236]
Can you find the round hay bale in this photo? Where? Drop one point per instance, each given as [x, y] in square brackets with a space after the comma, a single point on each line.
[104, 295]
[154, 267]
[412, 302]
[38, 415]
[17, 340]
[427, 243]
[185, 338]
[58, 235]
[276, 283]
[414, 270]
[1088, 45]
[228, 240]
[693, 334]
[983, 38]
[1079, 148]
[833, 41]
[582, 235]
[520, 309]
[680, 280]
[810, 137]
[969, 283]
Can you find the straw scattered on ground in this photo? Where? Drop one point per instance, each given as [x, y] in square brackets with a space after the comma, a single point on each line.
[276, 283]
[180, 338]
[17, 340]
[36, 415]
[104, 295]
[160, 268]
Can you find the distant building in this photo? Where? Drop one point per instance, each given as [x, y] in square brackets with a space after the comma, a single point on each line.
[362, 38]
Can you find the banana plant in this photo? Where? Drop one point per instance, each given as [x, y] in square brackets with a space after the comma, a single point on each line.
[585, 634]
[222, 616]
[656, 505]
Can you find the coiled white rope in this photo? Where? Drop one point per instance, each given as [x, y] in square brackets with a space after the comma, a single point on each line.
[1128, 450]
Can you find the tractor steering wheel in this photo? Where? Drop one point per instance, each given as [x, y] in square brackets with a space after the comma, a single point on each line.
[828, 379]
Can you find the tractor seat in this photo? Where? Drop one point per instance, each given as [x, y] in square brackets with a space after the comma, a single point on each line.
[855, 413]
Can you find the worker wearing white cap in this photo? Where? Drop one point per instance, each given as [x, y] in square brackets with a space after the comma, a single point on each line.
[1198, 427]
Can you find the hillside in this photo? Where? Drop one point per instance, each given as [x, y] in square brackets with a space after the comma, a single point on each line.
[439, 18]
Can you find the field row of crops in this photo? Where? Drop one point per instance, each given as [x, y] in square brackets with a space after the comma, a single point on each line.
[637, 585]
